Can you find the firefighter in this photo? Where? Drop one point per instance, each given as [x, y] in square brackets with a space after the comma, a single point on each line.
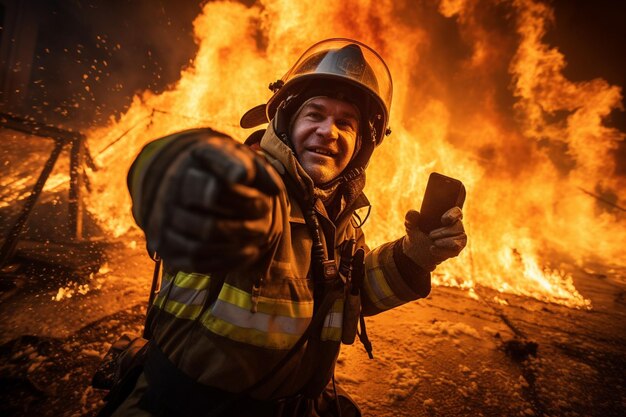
[261, 244]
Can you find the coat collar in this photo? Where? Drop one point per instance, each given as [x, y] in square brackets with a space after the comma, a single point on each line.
[282, 153]
[282, 158]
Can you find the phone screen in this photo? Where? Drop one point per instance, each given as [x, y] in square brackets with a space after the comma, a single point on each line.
[442, 193]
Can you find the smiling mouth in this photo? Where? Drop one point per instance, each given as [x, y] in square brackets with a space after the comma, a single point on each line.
[322, 151]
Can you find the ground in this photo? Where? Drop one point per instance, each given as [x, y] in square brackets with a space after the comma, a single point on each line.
[447, 355]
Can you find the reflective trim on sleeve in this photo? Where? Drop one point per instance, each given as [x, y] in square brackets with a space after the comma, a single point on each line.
[376, 285]
[183, 311]
[192, 280]
[186, 296]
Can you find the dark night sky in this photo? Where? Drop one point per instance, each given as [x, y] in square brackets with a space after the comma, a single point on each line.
[592, 36]
[92, 56]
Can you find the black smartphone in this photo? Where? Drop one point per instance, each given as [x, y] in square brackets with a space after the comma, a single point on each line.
[442, 193]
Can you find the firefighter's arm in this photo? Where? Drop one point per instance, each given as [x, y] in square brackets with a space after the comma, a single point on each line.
[398, 272]
[204, 201]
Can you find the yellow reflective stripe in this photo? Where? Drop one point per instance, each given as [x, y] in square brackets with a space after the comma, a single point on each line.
[278, 307]
[376, 285]
[192, 280]
[194, 296]
[254, 337]
[183, 311]
[235, 296]
[277, 324]
[331, 333]
[188, 296]
[333, 322]
[159, 300]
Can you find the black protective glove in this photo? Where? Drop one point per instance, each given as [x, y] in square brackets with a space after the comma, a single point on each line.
[213, 210]
[430, 250]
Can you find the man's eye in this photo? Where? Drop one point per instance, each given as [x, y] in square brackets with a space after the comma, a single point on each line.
[314, 115]
[346, 124]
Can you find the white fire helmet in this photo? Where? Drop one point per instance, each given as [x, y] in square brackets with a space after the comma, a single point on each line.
[341, 68]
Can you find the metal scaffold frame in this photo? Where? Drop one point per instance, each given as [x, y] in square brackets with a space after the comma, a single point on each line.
[78, 156]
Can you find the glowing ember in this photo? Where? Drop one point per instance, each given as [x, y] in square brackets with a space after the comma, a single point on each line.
[75, 289]
[523, 161]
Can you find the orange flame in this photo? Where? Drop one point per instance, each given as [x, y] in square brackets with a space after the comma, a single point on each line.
[523, 206]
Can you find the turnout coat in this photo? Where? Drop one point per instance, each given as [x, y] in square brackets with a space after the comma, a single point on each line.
[261, 310]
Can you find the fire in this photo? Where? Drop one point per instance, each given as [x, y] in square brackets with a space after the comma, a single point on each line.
[524, 161]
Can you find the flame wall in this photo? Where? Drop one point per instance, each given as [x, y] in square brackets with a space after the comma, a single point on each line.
[478, 96]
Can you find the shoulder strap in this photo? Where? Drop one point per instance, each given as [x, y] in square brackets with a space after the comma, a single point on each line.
[318, 257]
[155, 278]
[153, 292]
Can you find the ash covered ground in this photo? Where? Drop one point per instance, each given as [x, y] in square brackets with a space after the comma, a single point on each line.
[447, 355]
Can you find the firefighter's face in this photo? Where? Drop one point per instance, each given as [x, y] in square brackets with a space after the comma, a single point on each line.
[324, 136]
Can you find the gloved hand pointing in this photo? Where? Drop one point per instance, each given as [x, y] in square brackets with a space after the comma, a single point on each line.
[214, 209]
[440, 244]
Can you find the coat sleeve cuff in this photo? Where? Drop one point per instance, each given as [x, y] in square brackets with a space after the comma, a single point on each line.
[413, 275]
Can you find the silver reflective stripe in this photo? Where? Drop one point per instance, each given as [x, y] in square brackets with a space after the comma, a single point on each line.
[261, 321]
[388, 300]
[334, 319]
[188, 296]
